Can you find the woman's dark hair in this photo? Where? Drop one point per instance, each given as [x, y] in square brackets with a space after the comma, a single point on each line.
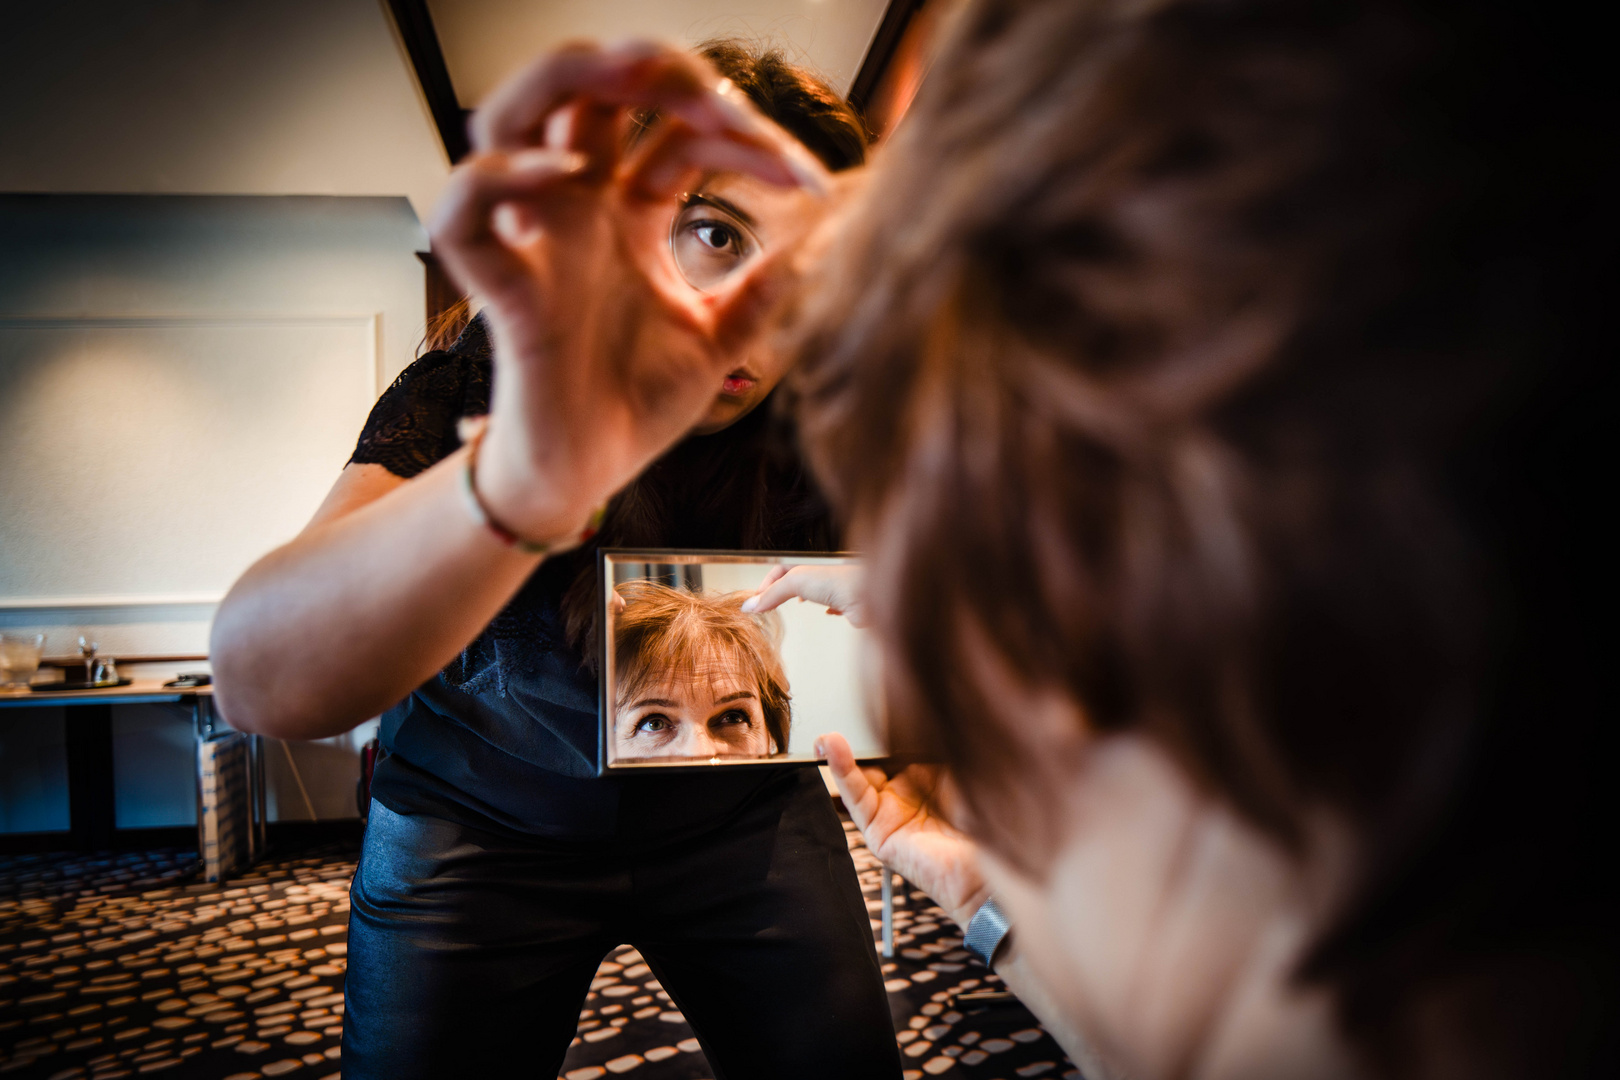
[1226, 367]
[799, 101]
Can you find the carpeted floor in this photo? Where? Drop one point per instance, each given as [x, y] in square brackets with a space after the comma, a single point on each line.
[123, 965]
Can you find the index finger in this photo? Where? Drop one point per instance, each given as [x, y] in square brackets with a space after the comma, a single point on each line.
[630, 73]
[634, 73]
[778, 593]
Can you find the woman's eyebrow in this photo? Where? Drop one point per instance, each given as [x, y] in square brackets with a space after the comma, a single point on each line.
[734, 697]
[663, 703]
[725, 206]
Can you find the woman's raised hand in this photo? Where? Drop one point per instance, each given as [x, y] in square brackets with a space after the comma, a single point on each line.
[837, 587]
[604, 356]
[896, 816]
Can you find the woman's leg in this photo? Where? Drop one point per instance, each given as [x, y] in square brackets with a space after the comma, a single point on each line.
[760, 934]
[469, 954]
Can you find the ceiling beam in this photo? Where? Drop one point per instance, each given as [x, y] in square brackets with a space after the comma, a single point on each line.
[415, 25]
[896, 17]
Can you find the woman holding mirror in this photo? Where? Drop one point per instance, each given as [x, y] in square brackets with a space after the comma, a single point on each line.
[624, 280]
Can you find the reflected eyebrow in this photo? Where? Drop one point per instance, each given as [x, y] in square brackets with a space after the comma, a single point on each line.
[663, 703]
[724, 205]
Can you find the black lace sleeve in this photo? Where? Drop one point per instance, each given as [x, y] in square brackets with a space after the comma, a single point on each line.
[413, 424]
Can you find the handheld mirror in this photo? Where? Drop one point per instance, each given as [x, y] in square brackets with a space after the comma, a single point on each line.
[689, 680]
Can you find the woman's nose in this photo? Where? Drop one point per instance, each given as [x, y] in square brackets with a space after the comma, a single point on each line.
[695, 741]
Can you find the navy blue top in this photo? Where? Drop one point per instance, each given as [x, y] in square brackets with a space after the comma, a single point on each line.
[506, 735]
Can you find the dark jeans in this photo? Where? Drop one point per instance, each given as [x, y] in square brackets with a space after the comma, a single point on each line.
[470, 953]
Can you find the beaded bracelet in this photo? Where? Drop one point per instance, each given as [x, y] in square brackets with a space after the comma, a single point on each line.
[471, 429]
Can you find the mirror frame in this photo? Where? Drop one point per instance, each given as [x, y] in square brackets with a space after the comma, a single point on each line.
[605, 557]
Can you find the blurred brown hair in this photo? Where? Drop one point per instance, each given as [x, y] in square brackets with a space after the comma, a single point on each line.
[1221, 366]
[666, 634]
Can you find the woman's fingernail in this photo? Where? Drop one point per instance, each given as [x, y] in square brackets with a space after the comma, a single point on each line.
[545, 159]
[820, 750]
[750, 605]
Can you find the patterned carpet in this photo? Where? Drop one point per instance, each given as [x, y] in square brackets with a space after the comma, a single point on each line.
[123, 965]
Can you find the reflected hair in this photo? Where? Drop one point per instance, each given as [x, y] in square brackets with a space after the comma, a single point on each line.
[665, 633]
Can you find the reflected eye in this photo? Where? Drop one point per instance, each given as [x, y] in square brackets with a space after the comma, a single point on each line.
[653, 722]
[709, 244]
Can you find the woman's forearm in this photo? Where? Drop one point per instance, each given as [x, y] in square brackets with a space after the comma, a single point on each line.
[344, 621]
[1016, 974]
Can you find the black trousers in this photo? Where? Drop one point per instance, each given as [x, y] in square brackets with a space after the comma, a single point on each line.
[470, 953]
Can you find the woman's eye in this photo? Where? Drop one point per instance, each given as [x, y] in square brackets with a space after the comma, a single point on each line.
[732, 716]
[654, 722]
[709, 245]
[719, 236]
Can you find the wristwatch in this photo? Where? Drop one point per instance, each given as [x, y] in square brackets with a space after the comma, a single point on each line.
[987, 931]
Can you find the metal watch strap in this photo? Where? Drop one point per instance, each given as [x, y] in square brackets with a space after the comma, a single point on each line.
[986, 931]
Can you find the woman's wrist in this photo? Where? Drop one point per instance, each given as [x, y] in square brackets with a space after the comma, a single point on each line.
[514, 506]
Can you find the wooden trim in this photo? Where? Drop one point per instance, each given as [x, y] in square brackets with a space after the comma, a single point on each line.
[878, 55]
[157, 658]
[415, 25]
[442, 293]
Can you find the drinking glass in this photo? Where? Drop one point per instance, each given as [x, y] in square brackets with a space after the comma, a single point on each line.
[19, 657]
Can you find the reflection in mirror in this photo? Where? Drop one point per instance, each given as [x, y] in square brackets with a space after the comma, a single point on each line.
[693, 680]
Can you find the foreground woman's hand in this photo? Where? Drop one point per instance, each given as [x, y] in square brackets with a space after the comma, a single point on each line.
[604, 356]
[895, 818]
[902, 829]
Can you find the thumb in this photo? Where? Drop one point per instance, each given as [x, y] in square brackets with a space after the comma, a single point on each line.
[859, 796]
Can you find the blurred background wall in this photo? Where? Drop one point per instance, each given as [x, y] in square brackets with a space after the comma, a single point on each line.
[209, 220]
[210, 227]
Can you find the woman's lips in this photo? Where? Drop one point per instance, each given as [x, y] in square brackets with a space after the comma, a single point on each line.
[736, 383]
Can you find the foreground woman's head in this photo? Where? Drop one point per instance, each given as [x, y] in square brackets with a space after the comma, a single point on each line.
[1195, 374]
[695, 677]
[729, 219]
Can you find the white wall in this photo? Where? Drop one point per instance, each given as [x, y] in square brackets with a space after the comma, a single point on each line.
[295, 97]
[181, 379]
